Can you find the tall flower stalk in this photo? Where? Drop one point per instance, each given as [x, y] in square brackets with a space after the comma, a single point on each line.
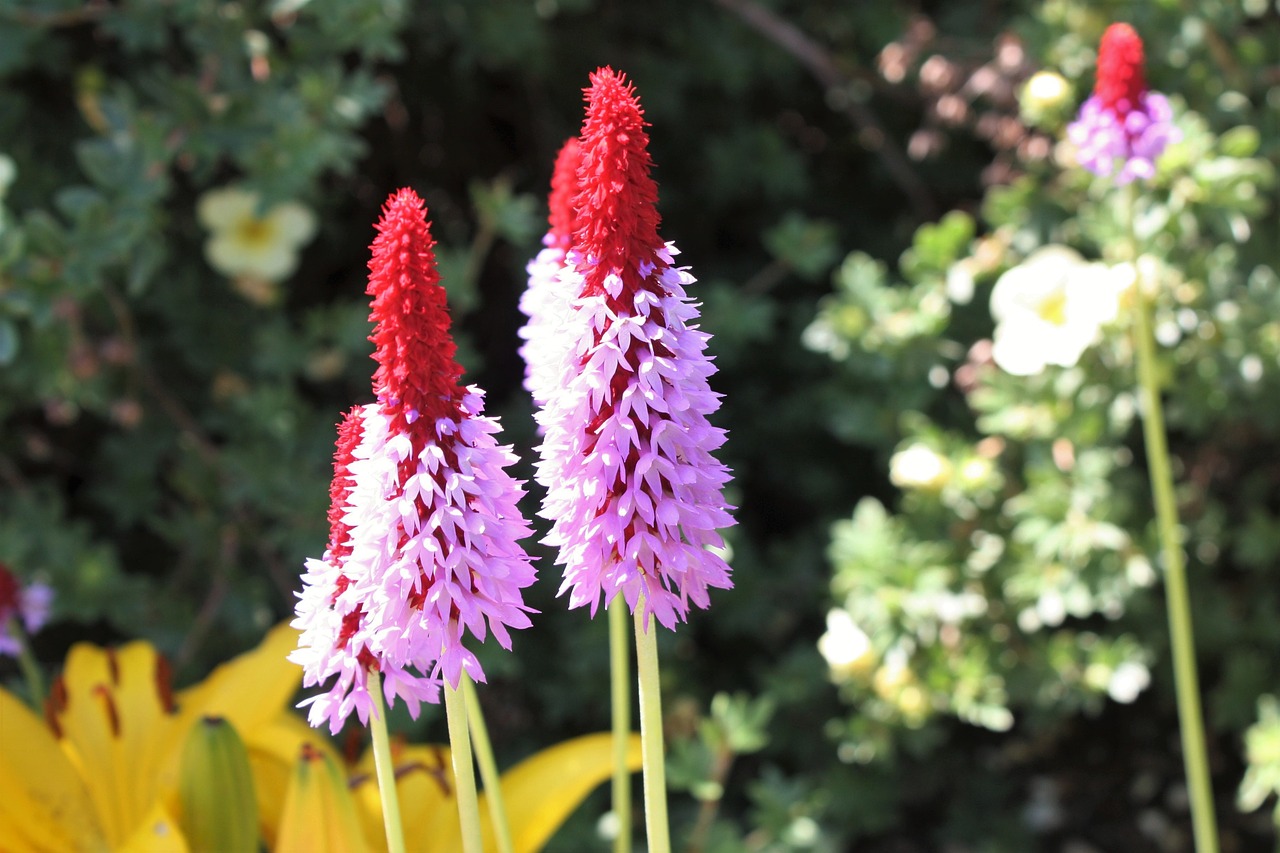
[1178, 601]
[423, 521]
[633, 491]
[1122, 128]
[546, 302]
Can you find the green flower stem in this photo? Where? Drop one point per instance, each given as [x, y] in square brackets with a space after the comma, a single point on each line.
[27, 663]
[464, 774]
[1186, 682]
[386, 770]
[620, 684]
[488, 767]
[657, 829]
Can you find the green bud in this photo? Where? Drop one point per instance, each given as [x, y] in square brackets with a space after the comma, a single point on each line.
[219, 809]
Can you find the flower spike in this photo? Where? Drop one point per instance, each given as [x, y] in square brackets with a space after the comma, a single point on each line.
[545, 302]
[634, 493]
[1123, 127]
[424, 523]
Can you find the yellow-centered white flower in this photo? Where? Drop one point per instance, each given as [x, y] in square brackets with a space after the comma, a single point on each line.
[247, 241]
[1050, 308]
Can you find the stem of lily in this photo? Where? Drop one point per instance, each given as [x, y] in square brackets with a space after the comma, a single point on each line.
[464, 775]
[386, 770]
[657, 829]
[488, 767]
[620, 690]
[1186, 681]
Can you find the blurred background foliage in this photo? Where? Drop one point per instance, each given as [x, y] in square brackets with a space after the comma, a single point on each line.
[847, 181]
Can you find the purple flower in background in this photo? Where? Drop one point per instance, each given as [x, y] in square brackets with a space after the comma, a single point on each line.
[633, 492]
[424, 523]
[1123, 127]
[546, 301]
[24, 606]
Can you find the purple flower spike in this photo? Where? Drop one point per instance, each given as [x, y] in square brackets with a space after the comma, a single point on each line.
[634, 494]
[1122, 127]
[424, 523]
[546, 302]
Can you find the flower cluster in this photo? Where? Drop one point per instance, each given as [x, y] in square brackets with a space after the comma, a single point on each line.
[424, 523]
[634, 494]
[24, 606]
[545, 302]
[1123, 127]
[1050, 308]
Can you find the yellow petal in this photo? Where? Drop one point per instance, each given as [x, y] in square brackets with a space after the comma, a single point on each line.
[156, 833]
[540, 793]
[113, 724]
[250, 691]
[424, 783]
[44, 804]
[266, 257]
[319, 814]
[296, 223]
[543, 790]
[224, 207]
[273, 751]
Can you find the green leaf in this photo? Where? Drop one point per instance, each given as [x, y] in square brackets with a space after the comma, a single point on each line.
[8, 343]
[1242, 141]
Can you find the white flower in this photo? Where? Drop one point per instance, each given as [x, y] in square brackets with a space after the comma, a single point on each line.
[8, 171]
[919, 467]
[1128, 680]
[845, 646]
[1045, 92]
[1049, 309]
[248, 243]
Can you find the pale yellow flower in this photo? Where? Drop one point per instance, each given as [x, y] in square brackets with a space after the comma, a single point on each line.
[249, 243]
[919, 467]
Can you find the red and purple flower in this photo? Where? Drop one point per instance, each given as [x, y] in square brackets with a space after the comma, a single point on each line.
[1123, 126]
[546, 301]
[633, 491]
[25, 607]
[424, 523]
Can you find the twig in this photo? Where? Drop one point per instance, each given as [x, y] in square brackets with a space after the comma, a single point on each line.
[91, 11]
[826, 71]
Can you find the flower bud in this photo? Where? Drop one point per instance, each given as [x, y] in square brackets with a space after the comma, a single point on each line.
[215, 787]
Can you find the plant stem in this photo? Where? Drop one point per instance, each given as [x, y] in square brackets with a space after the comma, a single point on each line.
[711, 805]
[488, 767]
[464, 775]
[657, 829]
[386, 770]
[620, 691]
[27, 663]
[1186, 682]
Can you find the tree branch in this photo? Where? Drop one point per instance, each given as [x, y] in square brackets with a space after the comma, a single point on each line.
[827, 72]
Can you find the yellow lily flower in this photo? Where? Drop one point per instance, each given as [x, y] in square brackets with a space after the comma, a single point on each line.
[101, 772]
[539, 793]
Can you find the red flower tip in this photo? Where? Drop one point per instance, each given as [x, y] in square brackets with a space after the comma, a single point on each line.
[564, 186]
[417, 375]
[1121, 82]
[617, 219]
[9, 590]
[349, 432]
